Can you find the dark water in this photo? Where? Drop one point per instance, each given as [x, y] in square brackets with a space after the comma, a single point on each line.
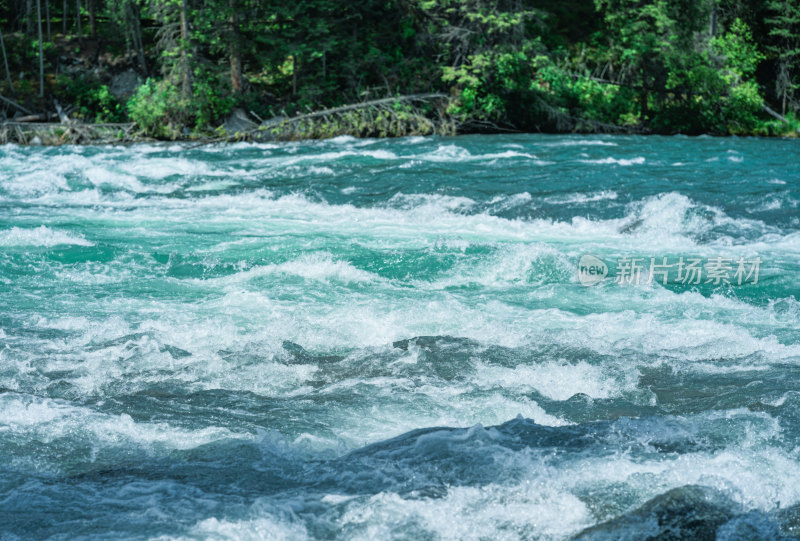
[364, 339]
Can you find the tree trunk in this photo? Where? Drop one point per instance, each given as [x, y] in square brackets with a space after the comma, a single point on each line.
[29, 17]
[712, 25]
[136, 30]
[47, 17]
[185, 68]
[41, 49]
[5, 62]
[236, 56]
[294, 75]
[64, 19]
[644, 95]
[78, 17]
[92, 19]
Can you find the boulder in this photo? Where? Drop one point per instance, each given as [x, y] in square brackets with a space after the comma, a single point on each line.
[238, 122]
[124, 85]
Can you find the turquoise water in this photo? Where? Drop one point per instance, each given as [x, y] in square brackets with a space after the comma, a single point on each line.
[365, 339]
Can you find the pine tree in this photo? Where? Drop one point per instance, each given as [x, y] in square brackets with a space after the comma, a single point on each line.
[785, 32]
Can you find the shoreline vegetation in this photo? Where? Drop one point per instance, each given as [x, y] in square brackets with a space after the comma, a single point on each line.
[120, 71]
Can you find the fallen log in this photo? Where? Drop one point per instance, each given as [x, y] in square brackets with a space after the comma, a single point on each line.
[16, 105]
[774, 113]
[367, 104]
[31, 118]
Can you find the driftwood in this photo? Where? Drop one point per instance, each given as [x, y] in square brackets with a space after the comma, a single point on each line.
[73, 133]
[61, 114]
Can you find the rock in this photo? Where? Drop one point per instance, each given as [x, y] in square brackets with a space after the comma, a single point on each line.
[296, 354]
[124, 85]
[685, 513]
[36, 141]
[238, 122]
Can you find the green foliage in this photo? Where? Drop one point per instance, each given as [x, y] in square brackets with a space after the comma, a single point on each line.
[660, 66]
[741, 106]
[582, 97]
[93, 100]
[741, 54]
[156, 108]
[211, 100]
[486, 82]
[160, 110]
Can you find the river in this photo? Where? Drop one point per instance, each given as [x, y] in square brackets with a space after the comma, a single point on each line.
[480, 337]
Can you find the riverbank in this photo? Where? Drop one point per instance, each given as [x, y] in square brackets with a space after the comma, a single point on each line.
[55, 134]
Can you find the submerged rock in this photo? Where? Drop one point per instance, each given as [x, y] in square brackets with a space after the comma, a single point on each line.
[685, 513]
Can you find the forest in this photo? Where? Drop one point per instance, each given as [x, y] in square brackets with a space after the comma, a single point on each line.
[179, 68]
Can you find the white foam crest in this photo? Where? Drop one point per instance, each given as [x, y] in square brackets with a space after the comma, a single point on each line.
[501, 203]
[327, 157]
[263, 528]
[511, 264]
[160, 168]
[445, 202]
[111, 350]
[446, 153]
[560, 380]
[40, 236]
[315, 170]
[673, 221]
[342, 140]
[431, 403]
[470, 513]
[454, 153]
[348, 140]
[212, 186]
[579, 142]
[34, 183]
[579, 198]
[789, 243]
[775, 201]
[100, 177]
[49, 420]
[430, 220]
[683, 340]
[665, 214]
[320, 266]
[639, 160]
[95, 273]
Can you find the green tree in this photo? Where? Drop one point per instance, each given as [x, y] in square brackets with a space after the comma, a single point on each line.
[784, 29]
